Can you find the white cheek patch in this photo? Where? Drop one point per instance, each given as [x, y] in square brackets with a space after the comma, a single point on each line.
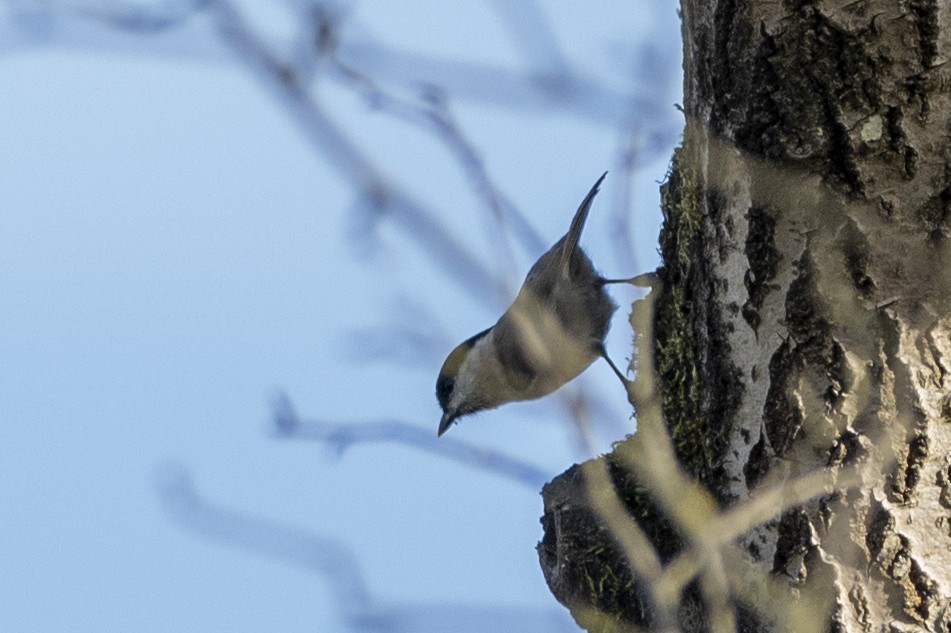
[481, 382]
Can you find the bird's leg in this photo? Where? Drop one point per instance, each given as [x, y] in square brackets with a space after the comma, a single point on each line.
[603, 353]
[645, 280]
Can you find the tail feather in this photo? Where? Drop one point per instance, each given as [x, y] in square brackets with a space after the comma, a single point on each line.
[577, 225]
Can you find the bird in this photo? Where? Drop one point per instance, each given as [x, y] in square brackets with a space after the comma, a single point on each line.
[551, 333]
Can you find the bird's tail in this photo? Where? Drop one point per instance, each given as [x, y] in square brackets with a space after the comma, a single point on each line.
[577, 225]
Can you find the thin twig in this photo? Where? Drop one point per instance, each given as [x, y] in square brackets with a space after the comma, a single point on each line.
[342, 436]
[327, 557]
[352, 164]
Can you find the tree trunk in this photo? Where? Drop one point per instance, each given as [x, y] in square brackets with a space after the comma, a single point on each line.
[801, 329]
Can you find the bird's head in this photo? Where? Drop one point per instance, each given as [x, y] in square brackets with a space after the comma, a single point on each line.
[456, 392]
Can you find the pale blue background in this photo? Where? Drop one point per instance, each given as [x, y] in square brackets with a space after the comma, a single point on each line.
[172, 252]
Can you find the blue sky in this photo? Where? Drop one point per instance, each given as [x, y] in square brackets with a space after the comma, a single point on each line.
[173, 252]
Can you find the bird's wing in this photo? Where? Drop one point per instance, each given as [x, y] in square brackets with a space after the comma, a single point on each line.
[512, 354]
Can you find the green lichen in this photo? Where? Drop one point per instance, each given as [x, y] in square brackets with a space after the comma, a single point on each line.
[609, 586]
[676, 353]
[614, 605]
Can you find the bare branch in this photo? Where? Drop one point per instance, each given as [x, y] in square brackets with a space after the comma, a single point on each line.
[432, 113]
[352, 164]
[326, 557]
[574, 94]
[340, 437]
[149, 18]
[177, 30]
[333, 560]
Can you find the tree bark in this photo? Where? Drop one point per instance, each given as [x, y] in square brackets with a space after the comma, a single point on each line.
[801, 327]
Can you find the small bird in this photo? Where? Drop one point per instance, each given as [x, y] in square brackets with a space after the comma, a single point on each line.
[552, 332]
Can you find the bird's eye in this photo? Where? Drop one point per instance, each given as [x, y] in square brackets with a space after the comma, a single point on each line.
[444, 387]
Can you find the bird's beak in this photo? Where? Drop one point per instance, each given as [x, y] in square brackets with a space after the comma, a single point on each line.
[445, 423]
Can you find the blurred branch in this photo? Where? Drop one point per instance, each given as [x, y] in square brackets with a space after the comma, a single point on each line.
[396, 344]
[343, 155]
[148, 18]
[327, 557]
[573, 94]
[177, 25]
[633, 542]
[166, 30]
[605, 502]
[763, 505]
[431, 112]
[334, 560]
[177, 30]
[408, 336]
[757, 587]
[340, 437]
[530, 31]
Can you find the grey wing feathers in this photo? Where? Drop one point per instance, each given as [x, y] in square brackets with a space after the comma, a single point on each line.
[513, 356]
[577, 225]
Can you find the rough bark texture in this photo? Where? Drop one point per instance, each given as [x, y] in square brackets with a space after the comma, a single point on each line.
[804, 318]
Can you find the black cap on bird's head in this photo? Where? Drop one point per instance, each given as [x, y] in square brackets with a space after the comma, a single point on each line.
[446, 383]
